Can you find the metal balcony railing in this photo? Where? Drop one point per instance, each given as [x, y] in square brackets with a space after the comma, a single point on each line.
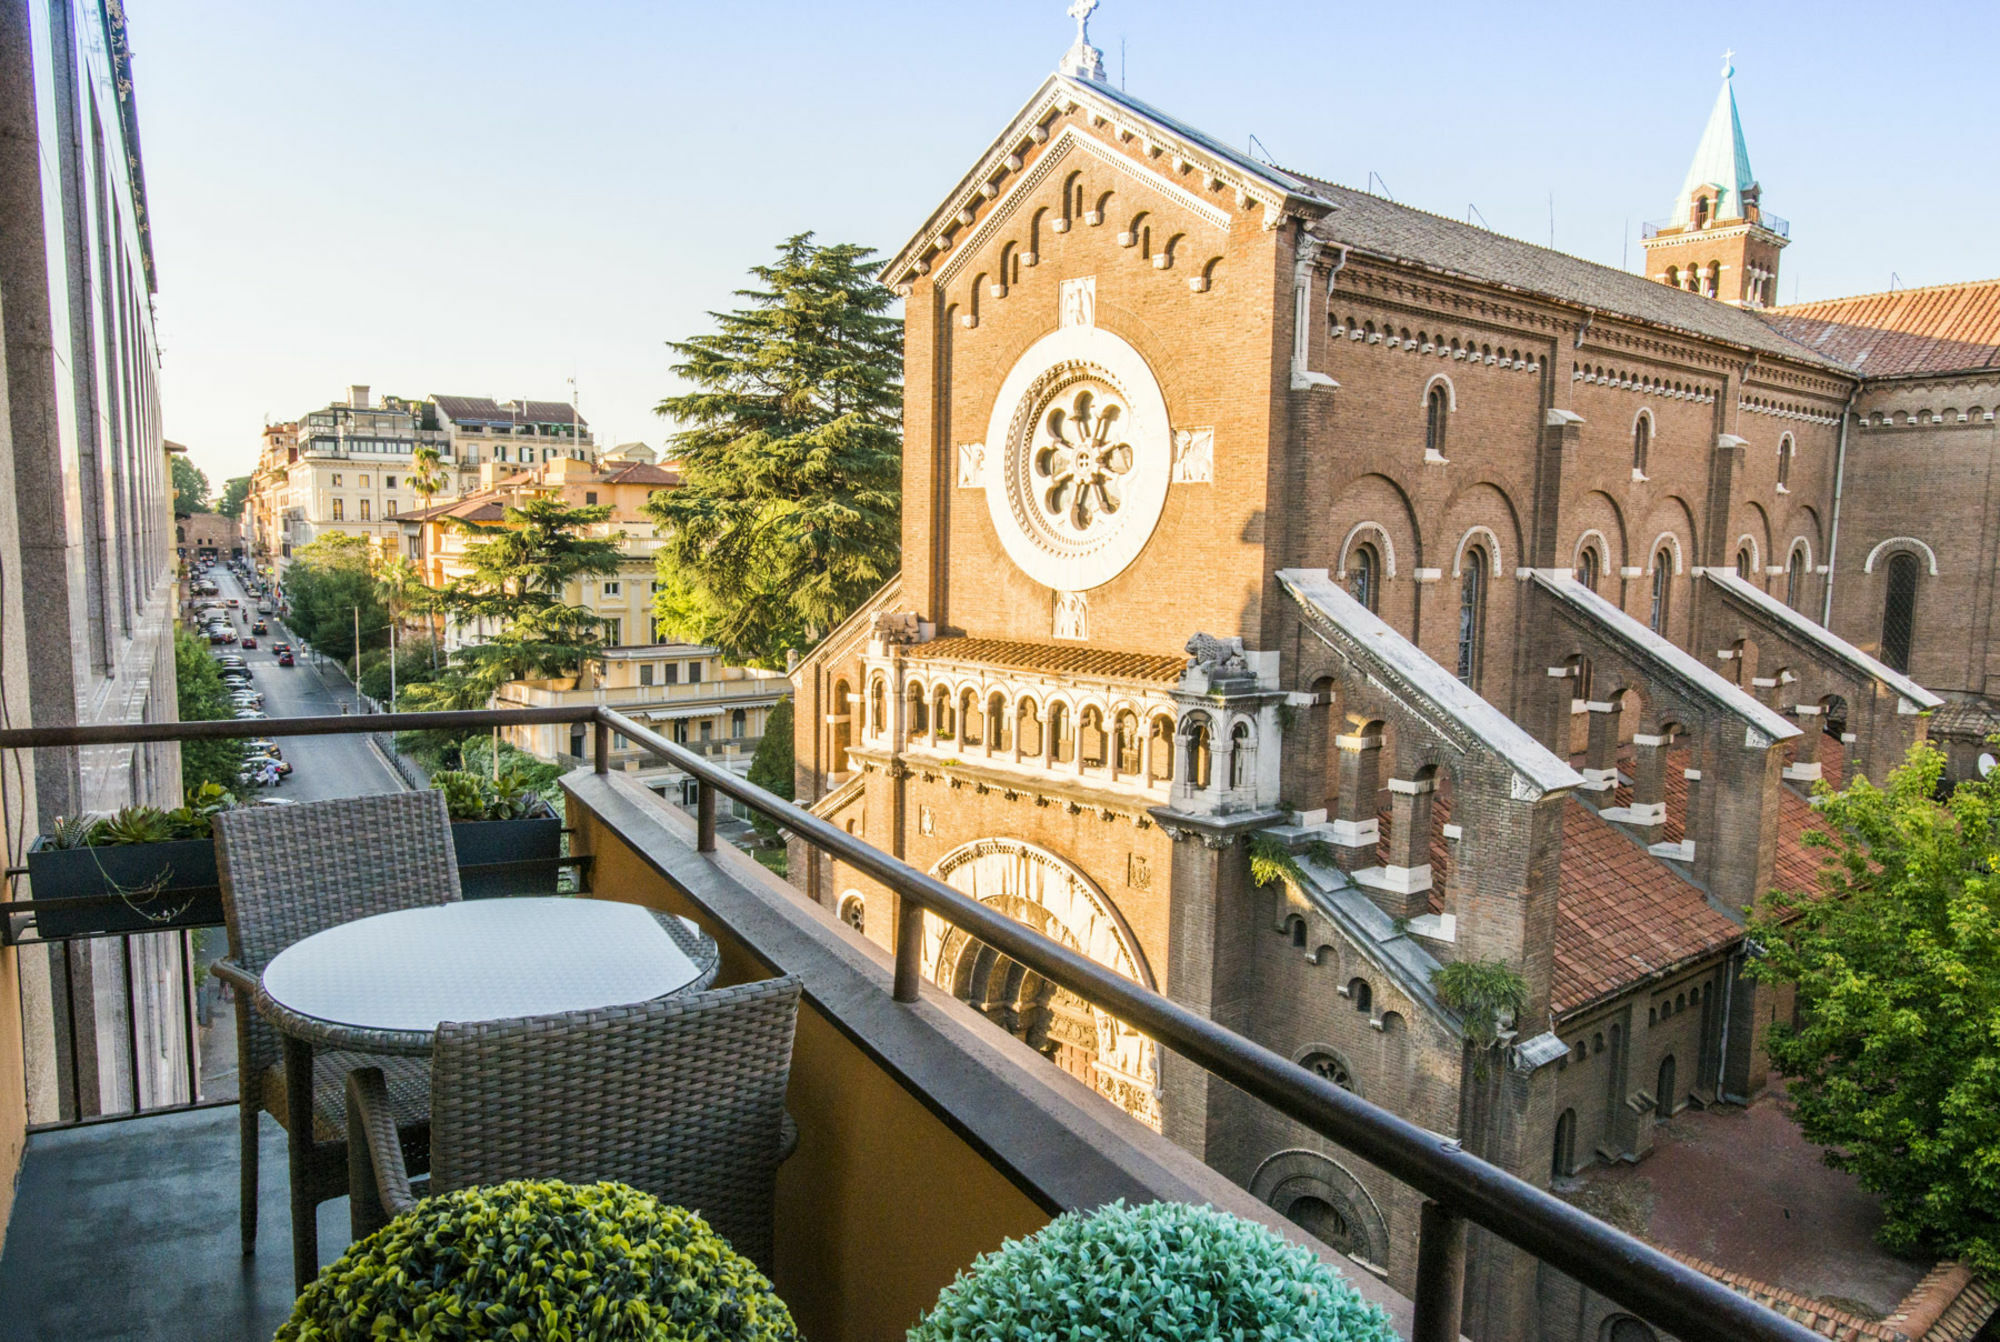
[1459, 1188]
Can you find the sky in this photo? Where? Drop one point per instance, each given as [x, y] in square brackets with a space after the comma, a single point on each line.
[508, 199]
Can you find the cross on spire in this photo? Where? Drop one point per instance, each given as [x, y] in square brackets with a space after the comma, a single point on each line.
[1082, 60]
[1727, 68]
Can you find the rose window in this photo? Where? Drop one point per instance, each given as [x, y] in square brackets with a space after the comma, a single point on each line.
[1080, 467]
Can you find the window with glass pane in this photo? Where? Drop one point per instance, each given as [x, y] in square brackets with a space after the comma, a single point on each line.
[1746, 567]
[1795, 579]
[1899, 611]
[1471, 616]
[1362, 576]
[1642, 439]
[1435, 409]
[1586, 570]
[1657, 620]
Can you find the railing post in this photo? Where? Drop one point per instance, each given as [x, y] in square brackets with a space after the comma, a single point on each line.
[600, 745]
[704, 818]
[1440, 1275]
[909, 948]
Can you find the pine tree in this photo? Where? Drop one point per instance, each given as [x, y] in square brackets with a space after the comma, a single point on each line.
[516, 576]
[789, 511]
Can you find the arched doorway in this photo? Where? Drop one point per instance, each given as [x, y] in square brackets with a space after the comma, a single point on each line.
[1042, 891]
[1324, 1199]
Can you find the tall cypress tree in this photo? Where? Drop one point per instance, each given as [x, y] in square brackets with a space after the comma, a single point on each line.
[790, 453]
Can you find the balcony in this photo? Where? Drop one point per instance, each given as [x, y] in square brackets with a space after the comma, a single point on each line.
[927, 1135]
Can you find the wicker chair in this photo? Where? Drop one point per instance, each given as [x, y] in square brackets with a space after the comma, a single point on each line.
[682, 1097]
[288, 872]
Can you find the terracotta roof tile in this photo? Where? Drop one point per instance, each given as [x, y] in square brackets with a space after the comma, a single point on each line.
[1824, 1319]
[1946, 328]
[1057, 658]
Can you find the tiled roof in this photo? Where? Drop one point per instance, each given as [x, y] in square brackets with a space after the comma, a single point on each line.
[1795, 867]
[1403, 233]
[1824, 1319]
[643, 473]
[1056, 658]
[1622, 915]
[486, 410]
[1966, 718]
[1944, 329]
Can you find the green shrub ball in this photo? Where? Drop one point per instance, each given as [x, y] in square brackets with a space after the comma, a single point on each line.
[552, 1262]
[1163, 1272]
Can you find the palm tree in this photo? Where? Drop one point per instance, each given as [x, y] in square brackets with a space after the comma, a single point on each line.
[427, 473]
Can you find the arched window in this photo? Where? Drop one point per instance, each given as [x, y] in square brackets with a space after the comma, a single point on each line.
[1714, 288]
[1090, 738]
[843, 729]
[1436, 407]
[1899, 610]
[941, 724]
[1003, 726]
[1125, 730]
[1746, 564]
[1563, 1159]
[1239, 755]
[1674, 276]
[1327, 1067]
[878, 703]
[1795, 579]
[1359, 993]
[1587, 568]
[1028, 729]
[1471, 616]
[971, 722]
[738, 721]
[1197, 751]
[1062, 733]
[1161, 747]
[1642, 442]
[914, 723]
[1785, 451]
[1364, 575]
[1665, 1099]
[1663, 564]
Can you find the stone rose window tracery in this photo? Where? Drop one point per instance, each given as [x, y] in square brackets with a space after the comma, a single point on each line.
[1083, 460]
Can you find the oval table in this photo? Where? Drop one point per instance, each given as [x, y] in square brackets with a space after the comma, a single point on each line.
[382, 985]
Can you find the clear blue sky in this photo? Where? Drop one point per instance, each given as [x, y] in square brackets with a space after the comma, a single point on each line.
[492, 198]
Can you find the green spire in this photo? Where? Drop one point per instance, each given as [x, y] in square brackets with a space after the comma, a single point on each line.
[1721, 167]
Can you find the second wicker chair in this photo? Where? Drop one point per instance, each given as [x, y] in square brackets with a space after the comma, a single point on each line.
[682, 1097]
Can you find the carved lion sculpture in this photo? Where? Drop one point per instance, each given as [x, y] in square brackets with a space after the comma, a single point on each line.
[1216, 655]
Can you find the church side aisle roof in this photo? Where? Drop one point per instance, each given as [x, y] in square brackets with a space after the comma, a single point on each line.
[1074, 659]
[1378, 227]
[1947, 328]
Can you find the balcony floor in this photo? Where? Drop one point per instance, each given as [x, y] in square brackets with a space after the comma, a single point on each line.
[128, 1230]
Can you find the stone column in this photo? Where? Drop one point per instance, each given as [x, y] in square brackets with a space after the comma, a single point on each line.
[1357, 826]
[1804, 766]
[1402, 888]
[1648, 811]
[1600, 772]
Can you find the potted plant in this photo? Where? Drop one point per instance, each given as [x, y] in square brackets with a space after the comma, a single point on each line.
[1136, 1274]
[546, 1260]
[141, 870]
[504, 832]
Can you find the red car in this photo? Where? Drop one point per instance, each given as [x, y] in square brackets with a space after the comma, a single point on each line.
[250, 640]
[284, 659]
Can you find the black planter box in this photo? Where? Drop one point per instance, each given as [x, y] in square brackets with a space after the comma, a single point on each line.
[112, 887]
[507, 857]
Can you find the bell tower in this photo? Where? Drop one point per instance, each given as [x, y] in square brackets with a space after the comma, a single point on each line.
[1719, 240]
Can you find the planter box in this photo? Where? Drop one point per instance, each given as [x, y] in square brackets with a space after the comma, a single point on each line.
[189, 892]
[488, 843]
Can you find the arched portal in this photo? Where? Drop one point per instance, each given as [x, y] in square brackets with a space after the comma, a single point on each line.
[1036, 888]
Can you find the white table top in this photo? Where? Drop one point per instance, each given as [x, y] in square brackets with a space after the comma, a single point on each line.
[484, 959]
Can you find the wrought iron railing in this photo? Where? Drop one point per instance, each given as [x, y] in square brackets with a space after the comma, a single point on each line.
[1459, 1188]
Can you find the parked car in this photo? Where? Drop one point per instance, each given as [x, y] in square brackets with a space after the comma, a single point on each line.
[250, 640]
[248, 714]
[218, 636]
[284, 659]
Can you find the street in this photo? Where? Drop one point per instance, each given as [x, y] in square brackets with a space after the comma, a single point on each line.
[322, 766]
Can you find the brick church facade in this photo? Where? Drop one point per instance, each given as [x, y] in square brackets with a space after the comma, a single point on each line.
[1501, 589]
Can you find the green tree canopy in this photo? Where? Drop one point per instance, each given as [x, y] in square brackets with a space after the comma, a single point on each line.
[329, 579]
[235, 490]
[202, 697]
[1894, 1064]
[427, 474]
[790, 453]
[190, 486]
[771, 767]
[516, 576]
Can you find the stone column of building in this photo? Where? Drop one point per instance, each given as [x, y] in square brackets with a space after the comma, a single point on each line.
[1356, 823]
[1404, 891]
[1600, 771]
[1738, 816]
[1648, 811]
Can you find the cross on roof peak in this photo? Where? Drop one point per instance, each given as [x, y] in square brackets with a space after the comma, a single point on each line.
[1083, 60]
[1728, 69]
